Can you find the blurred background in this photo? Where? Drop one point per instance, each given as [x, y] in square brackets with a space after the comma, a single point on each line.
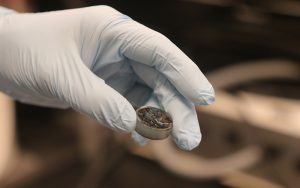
[250, 52]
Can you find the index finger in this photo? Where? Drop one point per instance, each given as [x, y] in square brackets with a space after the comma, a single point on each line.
[153, 49]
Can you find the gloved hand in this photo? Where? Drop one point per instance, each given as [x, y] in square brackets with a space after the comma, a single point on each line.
[91, 58]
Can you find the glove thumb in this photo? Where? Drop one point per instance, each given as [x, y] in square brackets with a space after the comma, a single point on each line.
[86, 92]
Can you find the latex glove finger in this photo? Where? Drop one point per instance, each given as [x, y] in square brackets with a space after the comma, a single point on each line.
[77, 86]
[143, 45]
[186, 130]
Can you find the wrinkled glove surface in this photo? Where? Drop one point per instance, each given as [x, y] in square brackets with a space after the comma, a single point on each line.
[99, 61]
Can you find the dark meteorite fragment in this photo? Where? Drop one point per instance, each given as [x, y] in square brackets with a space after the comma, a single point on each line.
[153, 123]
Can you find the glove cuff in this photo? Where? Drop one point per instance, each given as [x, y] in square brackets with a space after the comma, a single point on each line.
[5, 11]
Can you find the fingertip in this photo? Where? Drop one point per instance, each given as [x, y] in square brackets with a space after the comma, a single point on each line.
[209, 99]
[188, 141]
[205, 97]
[113, 110]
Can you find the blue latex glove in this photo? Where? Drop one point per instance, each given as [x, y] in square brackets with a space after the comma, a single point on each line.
[92, 59]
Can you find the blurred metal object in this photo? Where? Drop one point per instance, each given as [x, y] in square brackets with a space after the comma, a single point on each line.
[231, 76]
[270, 122]
[194, 166]
[253, 139]
[254, 119]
